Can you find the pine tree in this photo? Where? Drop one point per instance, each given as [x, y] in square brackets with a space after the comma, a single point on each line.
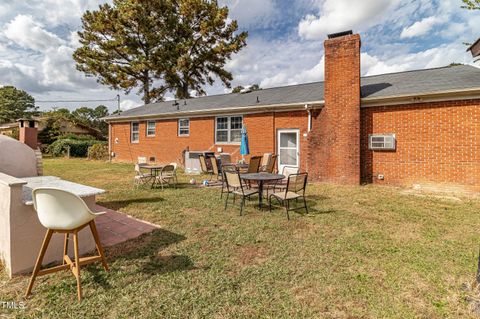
[15, 104]
[158, 46]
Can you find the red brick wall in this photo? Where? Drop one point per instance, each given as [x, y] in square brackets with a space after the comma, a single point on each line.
[436, 143]
[335, 141]
[167, 146]
[29, 136]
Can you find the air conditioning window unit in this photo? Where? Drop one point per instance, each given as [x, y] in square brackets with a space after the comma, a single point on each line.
[381, 142]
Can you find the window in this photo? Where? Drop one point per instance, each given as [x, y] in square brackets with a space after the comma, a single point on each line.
[151, 128]
[228, 129]
[381, 141]
[134, 132]
[183, 127]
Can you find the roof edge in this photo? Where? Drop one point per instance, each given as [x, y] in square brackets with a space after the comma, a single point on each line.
[241, 109]
[422, 97]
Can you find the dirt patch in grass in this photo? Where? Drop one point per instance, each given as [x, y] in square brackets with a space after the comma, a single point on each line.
[251, 255]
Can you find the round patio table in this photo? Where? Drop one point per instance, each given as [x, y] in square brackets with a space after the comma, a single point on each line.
[261, 178]
[154, 169]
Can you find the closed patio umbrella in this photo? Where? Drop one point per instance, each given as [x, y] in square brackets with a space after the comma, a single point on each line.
[244, 150]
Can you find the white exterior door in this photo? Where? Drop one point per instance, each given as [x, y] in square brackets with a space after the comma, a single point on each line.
[288, 146]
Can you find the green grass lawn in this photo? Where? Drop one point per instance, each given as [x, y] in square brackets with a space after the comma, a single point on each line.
[362, 252]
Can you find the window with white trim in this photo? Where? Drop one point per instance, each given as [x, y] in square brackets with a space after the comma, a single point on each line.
[151, 128]
[183, 127]
[381, 142]
[228, 129]
[135, 132]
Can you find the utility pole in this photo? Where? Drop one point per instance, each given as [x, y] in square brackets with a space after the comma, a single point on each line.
[118, 103]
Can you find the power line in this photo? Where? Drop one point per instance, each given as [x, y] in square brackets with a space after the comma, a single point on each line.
[75, 101]
[116, 98]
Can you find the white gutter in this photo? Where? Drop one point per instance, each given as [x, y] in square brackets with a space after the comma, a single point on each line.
[423, 97]
[242, 109]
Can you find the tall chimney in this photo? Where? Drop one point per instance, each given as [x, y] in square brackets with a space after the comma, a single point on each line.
[28, 133]
[335, 146]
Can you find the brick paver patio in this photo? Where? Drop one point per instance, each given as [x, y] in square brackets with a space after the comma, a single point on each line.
[115, 227]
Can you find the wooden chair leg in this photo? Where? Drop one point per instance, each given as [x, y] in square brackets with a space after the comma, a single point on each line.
[93, 228]
[65, 247]
[38, 264]
[77, 266]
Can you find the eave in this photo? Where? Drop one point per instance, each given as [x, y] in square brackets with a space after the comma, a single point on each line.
[423, 97]
[222, 111]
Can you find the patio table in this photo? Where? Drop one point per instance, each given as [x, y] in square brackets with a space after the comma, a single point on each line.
[154, 169]
[260, 178]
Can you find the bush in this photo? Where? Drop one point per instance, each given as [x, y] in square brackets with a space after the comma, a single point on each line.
[98, 151]
[14, 133]
[78, 148]
[81, 137]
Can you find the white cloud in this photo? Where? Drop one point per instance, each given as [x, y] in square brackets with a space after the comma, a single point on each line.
[65, 11]
[279, 79]
[58, 71]
[341, 15]
[420, 28]
[317, 73]
[251, 13]
[430, 58]
[128, 104]
[30, 34]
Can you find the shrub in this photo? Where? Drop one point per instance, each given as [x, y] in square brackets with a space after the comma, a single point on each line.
[81, 137]
[78, 148]
[14, 133]
[98, 151]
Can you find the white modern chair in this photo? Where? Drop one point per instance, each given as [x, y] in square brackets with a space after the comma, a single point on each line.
[63, 212]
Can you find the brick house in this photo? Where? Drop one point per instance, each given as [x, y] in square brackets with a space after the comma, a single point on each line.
[416, 127]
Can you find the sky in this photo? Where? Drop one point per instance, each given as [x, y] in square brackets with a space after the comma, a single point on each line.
[285, 43]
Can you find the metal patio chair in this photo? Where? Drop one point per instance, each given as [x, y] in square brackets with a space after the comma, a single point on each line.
[166, 176]
[296, 186]
[140, 177]
[204, 167]
[235, 187]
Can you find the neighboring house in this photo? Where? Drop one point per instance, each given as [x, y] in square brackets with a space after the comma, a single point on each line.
[406, 128]
[475, 49]
[8, 128]
[66, 127]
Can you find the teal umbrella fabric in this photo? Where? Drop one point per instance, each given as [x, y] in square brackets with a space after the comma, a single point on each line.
[244, 150]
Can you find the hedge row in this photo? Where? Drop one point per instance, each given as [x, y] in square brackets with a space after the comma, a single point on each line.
[78, 148]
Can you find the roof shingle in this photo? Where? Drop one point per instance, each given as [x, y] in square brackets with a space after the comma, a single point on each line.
[461, 77]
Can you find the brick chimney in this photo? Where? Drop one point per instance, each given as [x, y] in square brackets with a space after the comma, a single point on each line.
[335, 145]
[28, 132]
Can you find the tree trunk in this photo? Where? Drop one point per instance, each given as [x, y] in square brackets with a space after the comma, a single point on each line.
[146, 88]
[185, 93]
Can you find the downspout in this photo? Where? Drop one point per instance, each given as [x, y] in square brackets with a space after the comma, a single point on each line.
[309, 128]
[309, 111]
[109, 142]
